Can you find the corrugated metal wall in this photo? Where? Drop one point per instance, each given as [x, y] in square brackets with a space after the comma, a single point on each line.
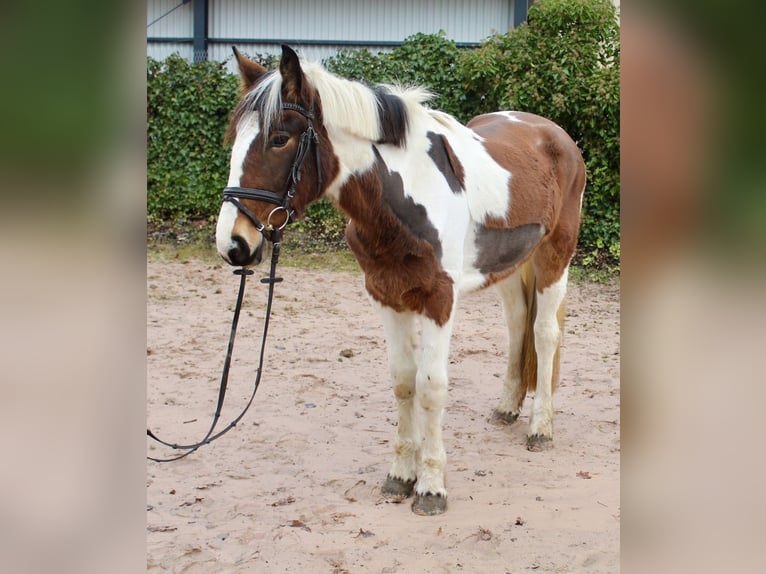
[318, 28]
[166, 19]
[355, 20]
[169, 18]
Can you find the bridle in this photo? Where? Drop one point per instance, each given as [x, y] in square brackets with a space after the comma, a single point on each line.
[273, 234]
[282, 202]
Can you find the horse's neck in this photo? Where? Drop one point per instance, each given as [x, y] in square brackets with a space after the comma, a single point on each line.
[372, 181]
[361, 196]
[386, 228]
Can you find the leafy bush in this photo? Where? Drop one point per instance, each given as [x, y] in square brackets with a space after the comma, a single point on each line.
[362, 65]
[188, 107]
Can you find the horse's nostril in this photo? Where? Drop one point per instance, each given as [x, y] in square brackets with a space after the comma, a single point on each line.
[240, 253]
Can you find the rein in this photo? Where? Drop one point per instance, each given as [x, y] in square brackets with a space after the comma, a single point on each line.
[271, 280]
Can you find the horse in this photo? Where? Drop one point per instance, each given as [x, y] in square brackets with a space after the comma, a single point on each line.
[435, 209]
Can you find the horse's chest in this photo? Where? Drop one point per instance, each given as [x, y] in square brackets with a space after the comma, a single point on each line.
[403, 275]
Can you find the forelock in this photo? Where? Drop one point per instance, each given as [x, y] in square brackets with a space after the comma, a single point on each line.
[264, 99]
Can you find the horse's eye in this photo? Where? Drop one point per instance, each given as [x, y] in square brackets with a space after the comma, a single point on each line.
[278, 140]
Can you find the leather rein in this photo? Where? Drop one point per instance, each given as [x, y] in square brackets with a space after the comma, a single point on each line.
[273, 234]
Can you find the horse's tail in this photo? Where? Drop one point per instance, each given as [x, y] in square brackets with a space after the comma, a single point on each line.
[528, 354]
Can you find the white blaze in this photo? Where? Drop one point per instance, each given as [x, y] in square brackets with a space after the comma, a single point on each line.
[247, 131]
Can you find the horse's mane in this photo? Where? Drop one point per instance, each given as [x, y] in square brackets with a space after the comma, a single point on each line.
[378, 114]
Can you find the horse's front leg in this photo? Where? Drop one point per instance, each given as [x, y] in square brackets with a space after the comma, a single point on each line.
[431, 396]
[400, 337]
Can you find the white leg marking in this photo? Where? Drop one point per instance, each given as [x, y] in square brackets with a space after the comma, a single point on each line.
[515, 310]
[547, 336]
[431, 384]
[400, 336]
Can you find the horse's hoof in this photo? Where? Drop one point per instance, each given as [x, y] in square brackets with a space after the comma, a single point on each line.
[429, 504]
[396, 489]
[507, 418]
[539, 443]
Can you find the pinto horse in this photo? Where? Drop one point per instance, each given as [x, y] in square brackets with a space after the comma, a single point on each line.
[435, 209]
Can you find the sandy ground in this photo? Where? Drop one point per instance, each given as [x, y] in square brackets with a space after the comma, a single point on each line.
[295, 487]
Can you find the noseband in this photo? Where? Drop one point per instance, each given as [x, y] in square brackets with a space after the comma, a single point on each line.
[282, 202]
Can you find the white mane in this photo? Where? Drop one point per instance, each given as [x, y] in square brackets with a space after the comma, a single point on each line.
[347, 106]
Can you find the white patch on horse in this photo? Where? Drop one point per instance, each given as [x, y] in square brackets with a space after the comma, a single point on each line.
[426, 185]
[401, 333]
[431, 397]
[224, 229]
[247, 131]
[512, 116]
[487, 184]
[355, 156]
[515, 313]
[547, 338]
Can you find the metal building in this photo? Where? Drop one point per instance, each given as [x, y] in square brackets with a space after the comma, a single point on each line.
[206, 29]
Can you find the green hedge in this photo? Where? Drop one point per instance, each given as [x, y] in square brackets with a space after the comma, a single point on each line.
[188, 107]
[563, 64]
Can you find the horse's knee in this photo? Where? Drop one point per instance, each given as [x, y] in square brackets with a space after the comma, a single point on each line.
[404, 391]
[432, 390]
[404, 382]
[547, 334]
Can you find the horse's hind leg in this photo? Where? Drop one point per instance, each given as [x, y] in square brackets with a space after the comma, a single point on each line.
[400, 337]
[515, 308]
[547, 339]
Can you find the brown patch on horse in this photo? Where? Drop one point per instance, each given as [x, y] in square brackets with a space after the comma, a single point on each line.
[262, 167]
[395, 245]
[518, 147]
[444, 157]
[547, 180]
[249, 72]
[558, 247]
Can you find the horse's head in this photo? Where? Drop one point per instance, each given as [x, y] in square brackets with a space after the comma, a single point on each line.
[279, 146]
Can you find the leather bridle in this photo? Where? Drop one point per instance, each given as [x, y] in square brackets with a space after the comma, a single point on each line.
[282, 202]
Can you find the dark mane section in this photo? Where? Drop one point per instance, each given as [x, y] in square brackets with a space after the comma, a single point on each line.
[393, 118]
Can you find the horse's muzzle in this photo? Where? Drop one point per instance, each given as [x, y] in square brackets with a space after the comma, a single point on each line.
[239, 253]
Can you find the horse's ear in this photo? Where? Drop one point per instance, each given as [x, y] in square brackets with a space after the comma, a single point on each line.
[249, 71]
[292, 75]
